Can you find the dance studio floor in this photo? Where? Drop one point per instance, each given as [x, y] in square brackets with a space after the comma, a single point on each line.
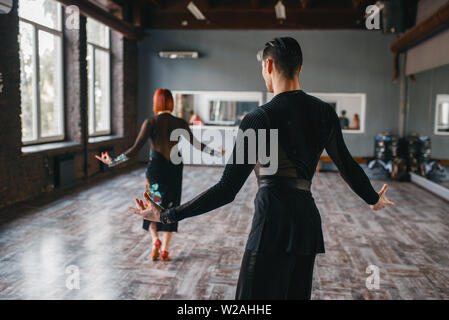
[89, 228]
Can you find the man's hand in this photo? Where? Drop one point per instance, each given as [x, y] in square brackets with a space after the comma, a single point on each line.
[383, 201]
[148, 210]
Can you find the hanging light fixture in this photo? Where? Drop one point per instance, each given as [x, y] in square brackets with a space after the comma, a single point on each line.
[195, 11]
[279, 8]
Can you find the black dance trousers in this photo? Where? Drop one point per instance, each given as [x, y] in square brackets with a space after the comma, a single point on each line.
[275, 276]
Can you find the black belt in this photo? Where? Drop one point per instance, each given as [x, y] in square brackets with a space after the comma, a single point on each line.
[273, 181]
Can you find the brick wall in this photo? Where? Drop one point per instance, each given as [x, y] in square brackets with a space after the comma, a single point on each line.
[28, 175]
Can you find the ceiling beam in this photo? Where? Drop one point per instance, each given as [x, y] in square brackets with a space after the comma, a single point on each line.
[306, 4]
[422, 30]
[156, 3]
[255, 4]
[362, 4]
[202, 4]
[114, 8]
[250, 10]
[260, 19]
[89, 9]
[356, 4]
[137, 12]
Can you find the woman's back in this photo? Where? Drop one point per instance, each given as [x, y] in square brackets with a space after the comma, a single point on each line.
[160, 128]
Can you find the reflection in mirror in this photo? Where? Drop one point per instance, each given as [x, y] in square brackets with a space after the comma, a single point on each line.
[222, 111]
[442, 114]
[350, 108]
[229, 112]
[215, 108]
[427, 115]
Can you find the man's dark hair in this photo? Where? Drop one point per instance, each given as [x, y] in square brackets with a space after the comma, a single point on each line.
[286, 54]
[343, 112]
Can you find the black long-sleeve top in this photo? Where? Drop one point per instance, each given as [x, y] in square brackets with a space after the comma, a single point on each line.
[306, 126]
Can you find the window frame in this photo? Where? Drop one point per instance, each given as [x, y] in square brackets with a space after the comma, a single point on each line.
[439, 99]
[37, 132]
[91, 86]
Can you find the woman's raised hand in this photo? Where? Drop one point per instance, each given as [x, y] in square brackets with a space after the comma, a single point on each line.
[383, 201]
[148, 210]
[105, 158]
[223, 151]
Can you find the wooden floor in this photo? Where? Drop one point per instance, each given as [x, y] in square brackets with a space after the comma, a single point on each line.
[90, 229]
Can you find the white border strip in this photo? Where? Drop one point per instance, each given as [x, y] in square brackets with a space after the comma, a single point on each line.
[430, 186]
[440, 99]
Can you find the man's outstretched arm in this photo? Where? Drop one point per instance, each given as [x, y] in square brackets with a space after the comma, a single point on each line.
[232, 180]
[349, 169]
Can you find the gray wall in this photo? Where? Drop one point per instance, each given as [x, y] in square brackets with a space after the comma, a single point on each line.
[421, 108]
[334, 61]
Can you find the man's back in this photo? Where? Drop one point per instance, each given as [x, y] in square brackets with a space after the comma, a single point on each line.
[307, 126]
[304, 124]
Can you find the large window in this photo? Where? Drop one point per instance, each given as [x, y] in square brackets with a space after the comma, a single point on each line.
[98, 70]
[40, 38]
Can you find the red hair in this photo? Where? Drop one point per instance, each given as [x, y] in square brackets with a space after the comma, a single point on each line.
[162, 101]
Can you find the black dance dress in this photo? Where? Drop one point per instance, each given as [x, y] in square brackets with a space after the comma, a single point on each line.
[286, 224]
[164, 178]
[164, 185]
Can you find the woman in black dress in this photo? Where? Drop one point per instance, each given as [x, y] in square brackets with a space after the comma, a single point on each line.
[163, 176]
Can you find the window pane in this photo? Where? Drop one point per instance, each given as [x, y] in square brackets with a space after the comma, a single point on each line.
[49, 84]
[45, 12]
[102, 110]
[97, 33]
[90, 95]
[26, 80]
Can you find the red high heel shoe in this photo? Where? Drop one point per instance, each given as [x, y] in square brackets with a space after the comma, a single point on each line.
[156, 250]
[164, 256]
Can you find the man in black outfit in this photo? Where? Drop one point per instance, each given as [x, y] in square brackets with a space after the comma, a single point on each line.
[344, 121]
[286, 229]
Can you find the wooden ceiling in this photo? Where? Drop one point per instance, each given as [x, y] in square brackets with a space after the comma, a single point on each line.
[248, 14]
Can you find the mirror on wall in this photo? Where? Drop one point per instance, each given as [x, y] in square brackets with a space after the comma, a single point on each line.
[350, 108]
[427, 115]
[442, 114]
[229, 112]
[213, 108]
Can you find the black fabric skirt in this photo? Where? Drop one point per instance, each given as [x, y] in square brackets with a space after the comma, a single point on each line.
[275, 276]
[164, 185]
[285, 220]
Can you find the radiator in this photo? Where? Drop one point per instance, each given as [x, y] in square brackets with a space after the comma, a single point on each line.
[64, 171]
